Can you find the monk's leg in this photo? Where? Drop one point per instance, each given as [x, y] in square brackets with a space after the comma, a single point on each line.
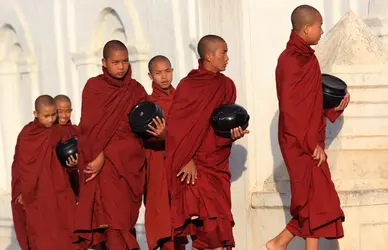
[281, 241]
[311, 244]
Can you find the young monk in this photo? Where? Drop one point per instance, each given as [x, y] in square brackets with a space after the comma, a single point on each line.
[42, 200]
[63, 105]
[112, 158]
[196, 158]
[157, 224]
[315, 205]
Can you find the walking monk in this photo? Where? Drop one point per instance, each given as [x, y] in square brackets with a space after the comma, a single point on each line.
[315, 205]
[157, 219]
[63, 104]
[43, 203]
[197, 160]
[112, 158]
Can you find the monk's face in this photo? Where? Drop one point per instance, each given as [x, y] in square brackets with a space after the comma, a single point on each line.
[64, 111]
[219, 58]
[314, 31]
[161, 73]
[117, 63]
[46, 115]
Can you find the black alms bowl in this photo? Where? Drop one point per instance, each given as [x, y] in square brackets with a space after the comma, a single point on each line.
[66, 149]
[334, 90]
[141, 116]
[227, 117]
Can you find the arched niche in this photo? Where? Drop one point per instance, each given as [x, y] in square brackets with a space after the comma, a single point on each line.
[11, 101]
[18, 83]
[109, 26]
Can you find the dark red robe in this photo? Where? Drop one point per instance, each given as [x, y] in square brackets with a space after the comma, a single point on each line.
[49, 203]
[157, 219]
[70, 131]
[315, 205]
[112, 200]
[191, 136]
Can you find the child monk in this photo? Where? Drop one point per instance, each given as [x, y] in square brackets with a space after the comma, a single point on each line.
[40, 186]
[315, 205]
[112, 157]
[63, 104]
[157, 219]
[197, 160]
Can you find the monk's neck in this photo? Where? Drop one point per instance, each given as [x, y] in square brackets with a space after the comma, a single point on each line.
[301, 35]
[207, 66]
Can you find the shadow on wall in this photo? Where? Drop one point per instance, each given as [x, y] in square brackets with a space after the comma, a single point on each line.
[14, 245]
[281, 180]
[237, 161]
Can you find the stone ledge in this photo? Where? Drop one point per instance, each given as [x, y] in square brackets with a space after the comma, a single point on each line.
[274, 200]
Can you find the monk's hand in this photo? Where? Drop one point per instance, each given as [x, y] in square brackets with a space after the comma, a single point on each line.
[19, 200]
[344, 103]
[237, 133]
[188, 172]
[71, 161]
[94, 167]
[159, 130]
[319, 155]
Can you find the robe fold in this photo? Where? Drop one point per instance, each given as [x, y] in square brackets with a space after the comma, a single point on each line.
[315, 205]
[70, 131]
[49, 203]
[157, 212]
[190, 136]
[112, 200]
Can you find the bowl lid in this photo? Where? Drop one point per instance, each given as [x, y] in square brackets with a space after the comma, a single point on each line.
[332, 82]
[143, 113]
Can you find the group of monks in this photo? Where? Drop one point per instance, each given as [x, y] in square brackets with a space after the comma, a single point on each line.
[181, 172]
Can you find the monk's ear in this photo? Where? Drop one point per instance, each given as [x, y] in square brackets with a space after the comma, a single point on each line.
[35, 114]
[209, 56]
[150, 76]
[103, 62]
[306, 29]
[172, 70]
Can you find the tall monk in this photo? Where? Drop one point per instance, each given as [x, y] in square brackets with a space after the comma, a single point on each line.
[42, 200]
[112, 157]
[315, 205]
[197, 160]
[157, 219]
[64, 109]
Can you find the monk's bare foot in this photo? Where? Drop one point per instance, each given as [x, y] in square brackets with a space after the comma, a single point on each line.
[194, 217]
[274, 245]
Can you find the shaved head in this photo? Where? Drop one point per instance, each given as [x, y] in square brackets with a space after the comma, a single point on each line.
[208, 44]
[303, 15]
[155, 59]
[62, 98]
[113, 45]
[44, 101]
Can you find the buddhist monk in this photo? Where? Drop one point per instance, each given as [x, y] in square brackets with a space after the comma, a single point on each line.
[315, 206]
[63, 104]
[42, 200]
[112, 157]
[197, 160]
[157, 219]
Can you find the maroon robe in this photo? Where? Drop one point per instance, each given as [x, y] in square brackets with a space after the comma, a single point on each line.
[315, 205]
[190, 136]
[49, 203]
[112, 200]
[157, 219]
